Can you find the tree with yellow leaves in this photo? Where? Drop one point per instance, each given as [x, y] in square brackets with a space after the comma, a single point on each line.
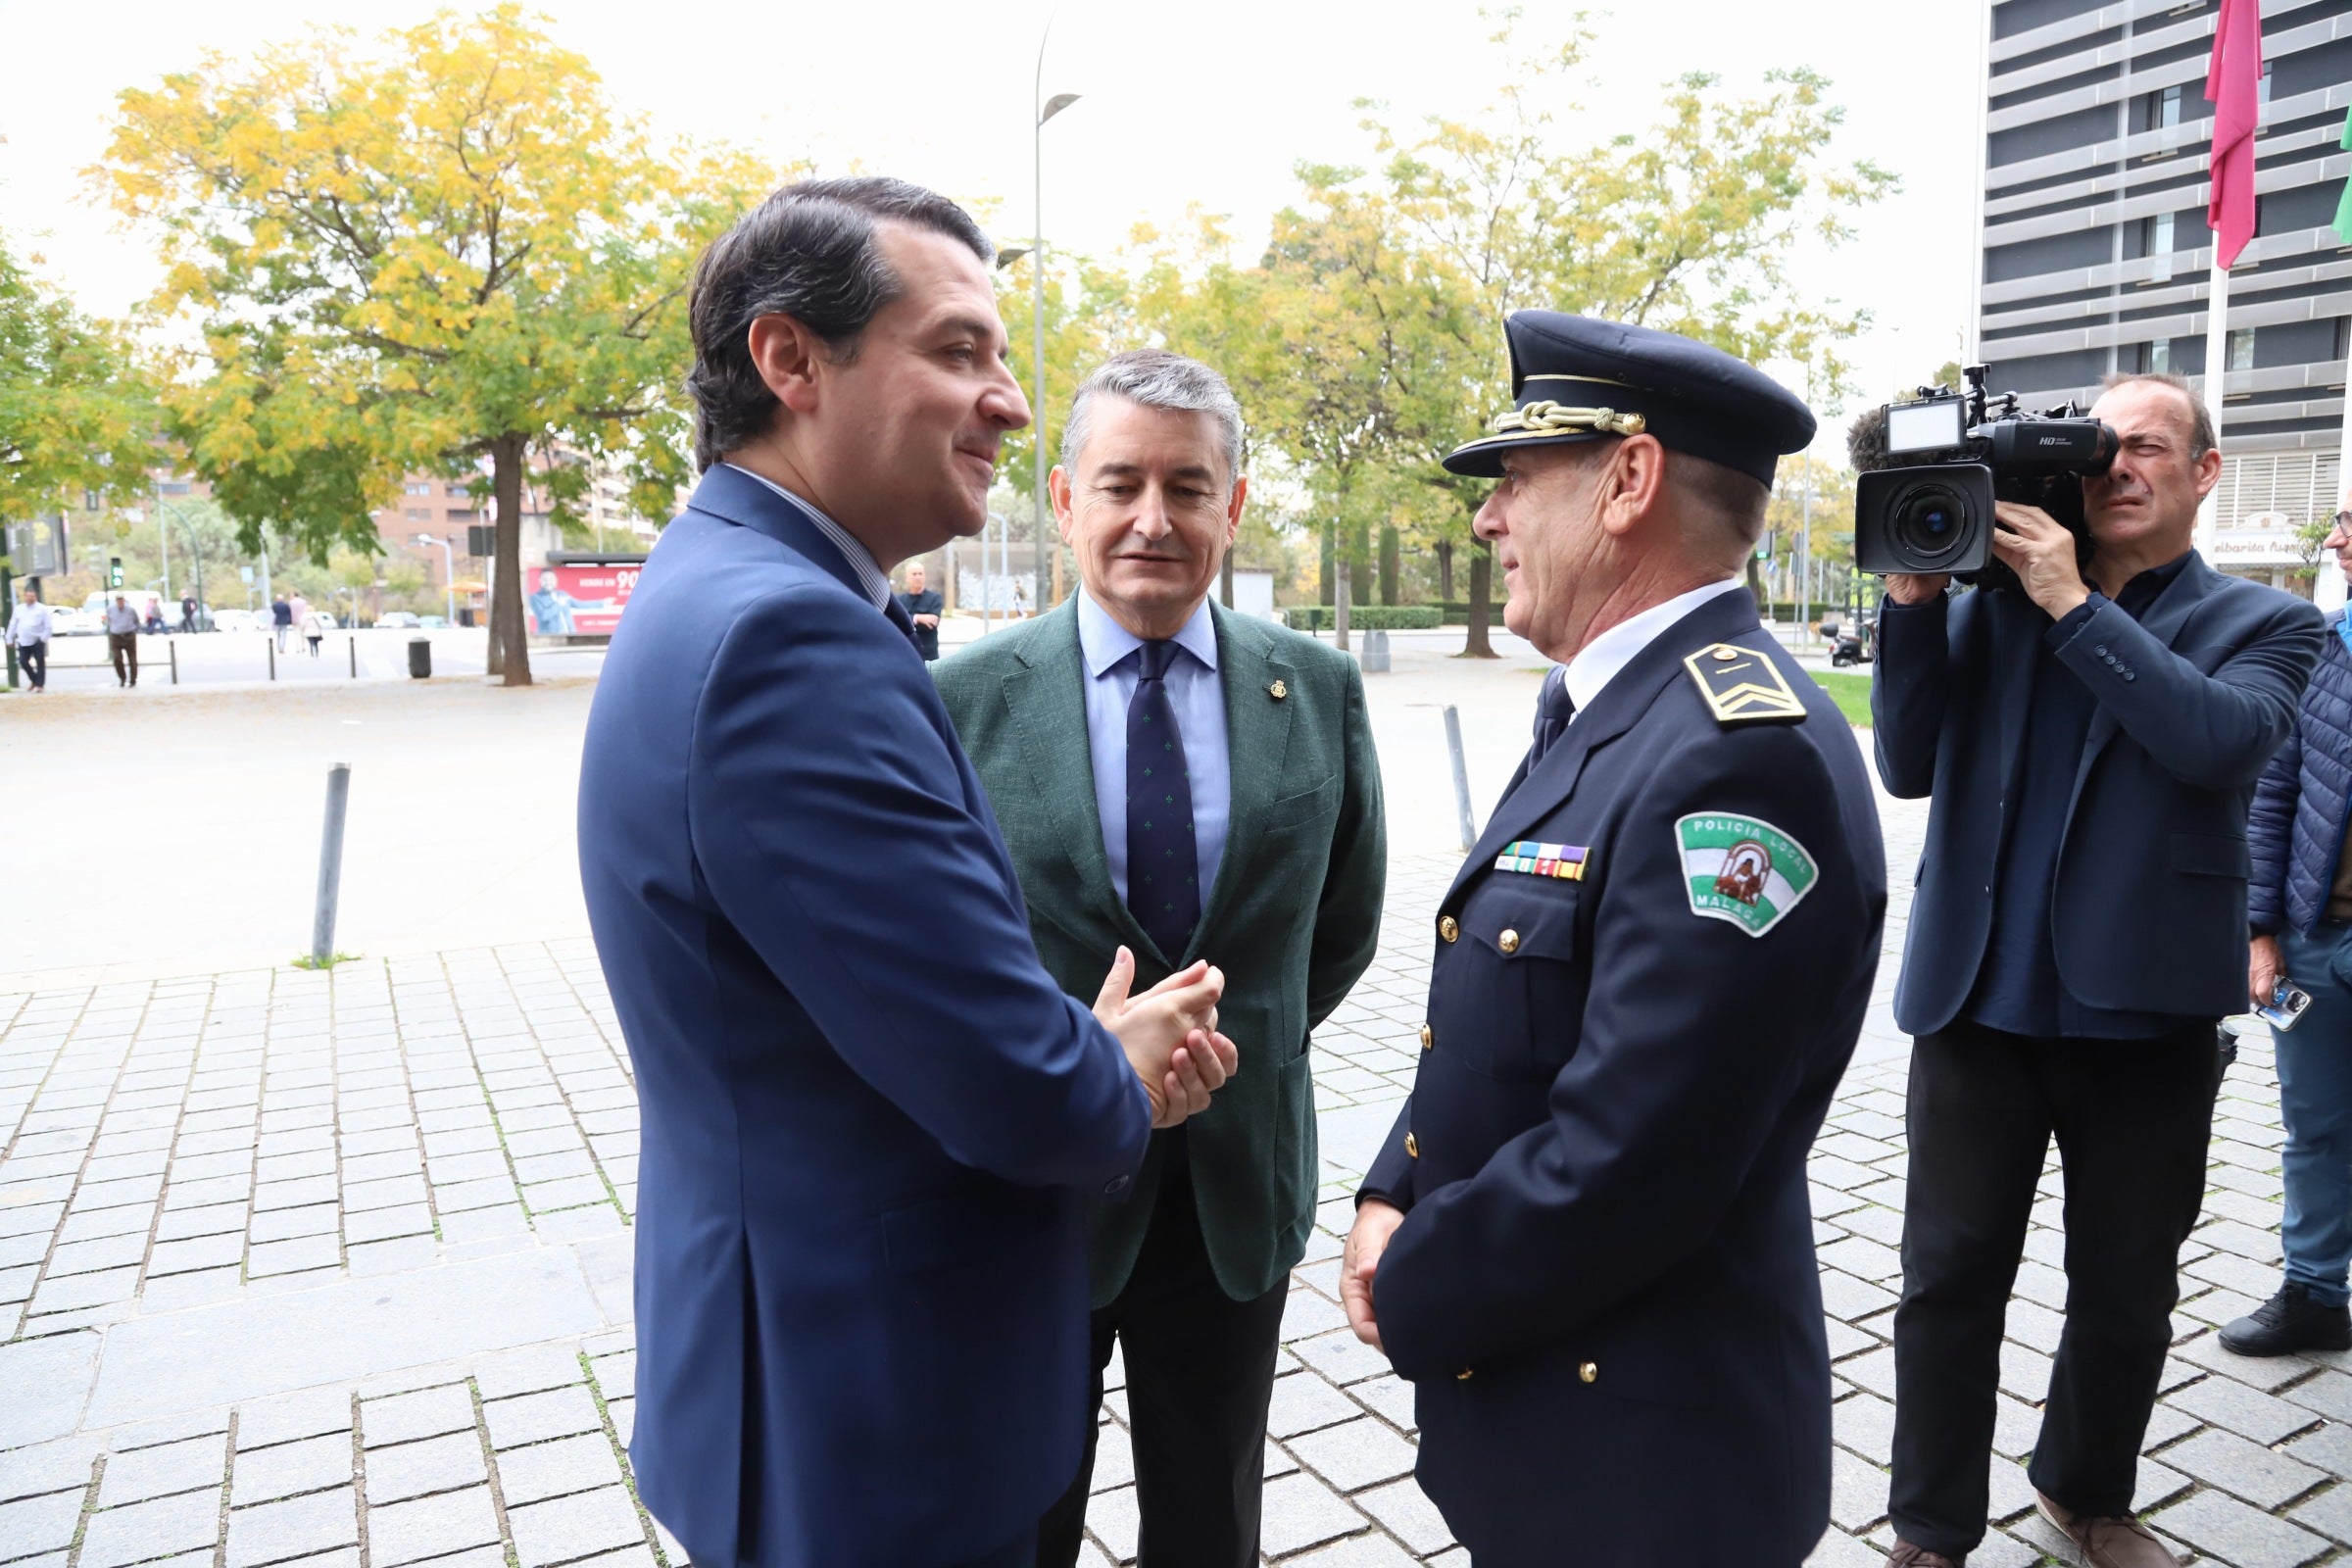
[445, 253]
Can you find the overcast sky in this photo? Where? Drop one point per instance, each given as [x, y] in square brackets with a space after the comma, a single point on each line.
[1208, 103]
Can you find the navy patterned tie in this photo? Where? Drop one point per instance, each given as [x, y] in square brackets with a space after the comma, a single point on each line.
[1554, 707]
[1164, 867]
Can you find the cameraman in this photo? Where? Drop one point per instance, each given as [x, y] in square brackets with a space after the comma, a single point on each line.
[2079, 927]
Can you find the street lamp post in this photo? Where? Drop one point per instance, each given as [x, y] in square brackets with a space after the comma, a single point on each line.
[449, 573]
[163, 532]
[1047, 109]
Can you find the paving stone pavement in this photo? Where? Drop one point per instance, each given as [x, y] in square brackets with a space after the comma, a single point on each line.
[333, 1270]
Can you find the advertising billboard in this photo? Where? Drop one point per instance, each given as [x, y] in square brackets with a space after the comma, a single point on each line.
[575, 599]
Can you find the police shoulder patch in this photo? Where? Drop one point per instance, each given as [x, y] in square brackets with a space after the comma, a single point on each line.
[1742, 869]
[1741, 686]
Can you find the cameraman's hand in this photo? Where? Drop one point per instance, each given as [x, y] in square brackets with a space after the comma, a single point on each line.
[1916, 588]
[2262, 970]
[2038, 549]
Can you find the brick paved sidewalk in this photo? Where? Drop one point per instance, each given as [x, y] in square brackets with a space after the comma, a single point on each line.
[334, 1270]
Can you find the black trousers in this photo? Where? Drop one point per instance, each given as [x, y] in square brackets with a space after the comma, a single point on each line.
[34, 656]
[121, 645]
[1200, 1373]
[2132, 1118]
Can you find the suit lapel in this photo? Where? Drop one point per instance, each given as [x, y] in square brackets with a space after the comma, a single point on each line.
[1625, 699]
[2013, 679]
[2165, 620]
[1047, 696]
[1257, 741]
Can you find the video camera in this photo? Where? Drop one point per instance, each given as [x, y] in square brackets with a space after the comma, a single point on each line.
[1933, 468]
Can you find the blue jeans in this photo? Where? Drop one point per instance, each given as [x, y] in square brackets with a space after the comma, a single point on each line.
[2314, 1098]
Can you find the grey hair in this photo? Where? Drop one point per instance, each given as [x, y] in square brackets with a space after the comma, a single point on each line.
[1158, 379]
[810, 251]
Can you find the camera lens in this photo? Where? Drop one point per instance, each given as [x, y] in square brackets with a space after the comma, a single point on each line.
[1930, 522]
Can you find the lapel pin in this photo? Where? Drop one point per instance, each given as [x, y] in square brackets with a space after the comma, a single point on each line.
[1278, 691]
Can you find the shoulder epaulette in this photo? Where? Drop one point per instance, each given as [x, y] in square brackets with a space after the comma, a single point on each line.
[1741, 686]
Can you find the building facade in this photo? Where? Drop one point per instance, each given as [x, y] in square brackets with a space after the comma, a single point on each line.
[2095, 255]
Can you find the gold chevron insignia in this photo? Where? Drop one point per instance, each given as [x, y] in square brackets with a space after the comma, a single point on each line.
[1741, 686]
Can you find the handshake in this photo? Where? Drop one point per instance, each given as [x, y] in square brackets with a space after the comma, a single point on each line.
[1170, 1036]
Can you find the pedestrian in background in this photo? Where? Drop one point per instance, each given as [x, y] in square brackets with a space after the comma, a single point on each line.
[314, 628]
[154, 623]
[2090, 739]
[281, 619]
[29, 630]
[123, 641]
[923, 608]
[2299, 905]
[187, 613]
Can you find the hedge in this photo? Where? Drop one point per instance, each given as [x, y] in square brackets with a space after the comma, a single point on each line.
[1363, 617]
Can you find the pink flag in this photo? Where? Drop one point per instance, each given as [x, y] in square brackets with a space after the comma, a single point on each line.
[2234, 85]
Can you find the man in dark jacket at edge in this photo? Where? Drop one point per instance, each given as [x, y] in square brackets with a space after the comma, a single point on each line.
[2091, 737]
[2299, 905]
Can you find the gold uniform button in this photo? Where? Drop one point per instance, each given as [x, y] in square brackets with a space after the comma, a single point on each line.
[1449, 928]
[1589, 1372]
[1427, 1039]
[1412, 1146]
[1509, 942]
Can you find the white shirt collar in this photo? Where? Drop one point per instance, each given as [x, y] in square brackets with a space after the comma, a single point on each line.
[872, 580]
[1606, 655]
[1103, 642]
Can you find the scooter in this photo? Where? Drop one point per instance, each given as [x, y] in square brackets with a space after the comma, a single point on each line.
[1847, 645]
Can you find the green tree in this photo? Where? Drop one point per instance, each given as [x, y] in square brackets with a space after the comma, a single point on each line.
[76, 413]
[446, 250]
[1690, 227]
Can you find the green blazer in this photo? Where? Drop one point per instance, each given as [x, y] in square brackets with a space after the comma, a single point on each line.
[1293, 917]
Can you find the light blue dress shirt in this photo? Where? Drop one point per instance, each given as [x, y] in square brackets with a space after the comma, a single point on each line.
[1109, 651]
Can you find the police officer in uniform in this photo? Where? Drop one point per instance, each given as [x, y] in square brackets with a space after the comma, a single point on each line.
[1588, 1244]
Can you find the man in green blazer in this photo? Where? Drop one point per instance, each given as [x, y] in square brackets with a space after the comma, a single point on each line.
[1183, 782]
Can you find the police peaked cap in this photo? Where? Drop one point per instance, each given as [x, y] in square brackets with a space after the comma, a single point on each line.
[1578, 379]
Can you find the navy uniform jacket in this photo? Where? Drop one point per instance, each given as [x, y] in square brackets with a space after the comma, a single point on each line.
[1605, 1287]
[2148, 899]
[869, 1117]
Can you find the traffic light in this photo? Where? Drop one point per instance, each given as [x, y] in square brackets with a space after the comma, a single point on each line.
[113, 571]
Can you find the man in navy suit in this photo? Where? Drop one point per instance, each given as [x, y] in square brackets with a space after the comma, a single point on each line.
[2090, 749]
[870, 1121]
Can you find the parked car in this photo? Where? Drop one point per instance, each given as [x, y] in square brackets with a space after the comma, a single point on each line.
[237, 621]
[398, 617]
[433, 622]
[66, 621]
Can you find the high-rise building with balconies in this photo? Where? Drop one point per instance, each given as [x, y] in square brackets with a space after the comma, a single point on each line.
[2096, 257]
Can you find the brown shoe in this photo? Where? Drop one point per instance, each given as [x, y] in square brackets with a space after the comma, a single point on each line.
[1906, 1555]
[2122, 1542]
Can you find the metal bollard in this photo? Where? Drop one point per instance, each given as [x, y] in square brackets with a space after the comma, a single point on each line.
[173, 643]
[351, 642]
[1462, 777]
[330, 864]
[269, 646]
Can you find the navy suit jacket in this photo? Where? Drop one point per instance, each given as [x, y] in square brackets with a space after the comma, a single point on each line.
[869, 1116]
[2148, 909]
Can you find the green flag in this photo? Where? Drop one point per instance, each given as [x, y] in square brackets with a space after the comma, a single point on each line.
[2343, 207]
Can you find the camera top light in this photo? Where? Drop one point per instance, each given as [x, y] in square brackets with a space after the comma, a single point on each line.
[1929, 426]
